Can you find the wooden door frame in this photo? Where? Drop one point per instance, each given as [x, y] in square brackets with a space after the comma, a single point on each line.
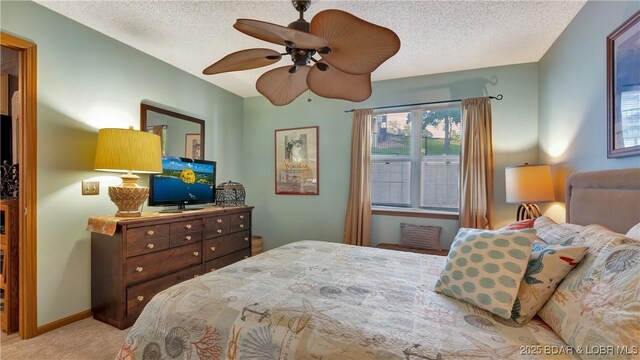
[28, 320]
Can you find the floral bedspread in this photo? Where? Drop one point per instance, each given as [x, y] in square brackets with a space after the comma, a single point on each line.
[320, 300]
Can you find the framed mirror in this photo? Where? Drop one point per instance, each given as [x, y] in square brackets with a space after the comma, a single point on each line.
[623, 89]
[181, 135]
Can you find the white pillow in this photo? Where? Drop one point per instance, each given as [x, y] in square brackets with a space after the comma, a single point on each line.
[634, 232]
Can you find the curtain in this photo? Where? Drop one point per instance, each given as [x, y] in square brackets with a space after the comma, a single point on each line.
[357, 227]
[476, 172]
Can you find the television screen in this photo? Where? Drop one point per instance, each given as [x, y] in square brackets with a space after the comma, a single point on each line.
[183, 181]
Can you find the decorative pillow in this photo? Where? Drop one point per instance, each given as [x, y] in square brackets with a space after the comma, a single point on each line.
[634, 232]
[519, 225]
[484, 268]
[597, 304]
[553, 233]
[548, 265]
[420, 236]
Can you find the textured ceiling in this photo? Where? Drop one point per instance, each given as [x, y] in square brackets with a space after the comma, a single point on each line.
[437, 36]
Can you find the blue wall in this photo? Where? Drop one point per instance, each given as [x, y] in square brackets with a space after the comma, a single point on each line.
[281, 219]
[573, 98]
[88, 81]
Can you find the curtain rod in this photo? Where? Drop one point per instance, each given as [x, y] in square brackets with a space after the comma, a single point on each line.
[497, 97]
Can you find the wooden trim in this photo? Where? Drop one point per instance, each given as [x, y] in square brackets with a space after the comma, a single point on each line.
[144, 108]
[28, 185]
[64, 321]
[418, 214]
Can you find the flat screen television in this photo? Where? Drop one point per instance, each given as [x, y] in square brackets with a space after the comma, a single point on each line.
[183, 182]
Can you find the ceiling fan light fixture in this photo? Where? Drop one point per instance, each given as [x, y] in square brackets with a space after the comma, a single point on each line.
[322, 66]
[324, 51]
[351, 48]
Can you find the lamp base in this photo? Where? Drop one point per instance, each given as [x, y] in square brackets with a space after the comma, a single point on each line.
[528, 211]
[128, 196]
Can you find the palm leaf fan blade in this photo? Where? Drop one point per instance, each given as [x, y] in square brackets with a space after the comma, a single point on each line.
[357, 46]
[280, 86]
[277, 34]
[336, 84]
[244, 60]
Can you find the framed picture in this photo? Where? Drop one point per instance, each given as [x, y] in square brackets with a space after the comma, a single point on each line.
[297, 161]
[193, 146]
[623, 89]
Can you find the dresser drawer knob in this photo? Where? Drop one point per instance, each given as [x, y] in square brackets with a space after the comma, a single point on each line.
[219, 231]
[139, 269]
[213, 248]
[246, 256]
[140, 298]
[188, 237]
[195, 253]
[241, 226]
[219, 221]
[246, 238]
[150, 246]
[188, 226]
[241, 217]
[150, 232]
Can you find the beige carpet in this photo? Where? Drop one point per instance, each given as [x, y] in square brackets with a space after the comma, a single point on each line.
[86, 339]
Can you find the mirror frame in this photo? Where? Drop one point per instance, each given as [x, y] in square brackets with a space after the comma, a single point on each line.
[143, 121]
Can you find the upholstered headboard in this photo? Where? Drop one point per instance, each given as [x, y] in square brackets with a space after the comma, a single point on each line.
[610, 198]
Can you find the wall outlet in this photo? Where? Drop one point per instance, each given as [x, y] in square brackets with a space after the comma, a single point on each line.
[90, 187]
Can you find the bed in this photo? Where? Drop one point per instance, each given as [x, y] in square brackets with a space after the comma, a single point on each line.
[321, 300]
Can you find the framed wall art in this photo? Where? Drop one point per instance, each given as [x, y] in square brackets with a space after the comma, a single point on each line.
[623, 89]
[296, 163]
[193, 146]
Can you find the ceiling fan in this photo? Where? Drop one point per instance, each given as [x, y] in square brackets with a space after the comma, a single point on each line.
[350, 48]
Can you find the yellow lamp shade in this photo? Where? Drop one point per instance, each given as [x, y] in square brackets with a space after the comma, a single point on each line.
[529, 184]
[128, 150]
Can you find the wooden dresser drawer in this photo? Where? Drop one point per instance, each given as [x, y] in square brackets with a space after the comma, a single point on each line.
[147, 239]
[185, 238]
[226, 260]
[139, 295]
[224, 245]
[189, 226]
[216, 226]
[148, 266]
[238, 222]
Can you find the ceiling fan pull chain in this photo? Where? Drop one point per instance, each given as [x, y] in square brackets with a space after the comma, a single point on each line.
[309, 95]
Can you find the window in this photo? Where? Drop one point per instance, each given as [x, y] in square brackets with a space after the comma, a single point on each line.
[415, 156]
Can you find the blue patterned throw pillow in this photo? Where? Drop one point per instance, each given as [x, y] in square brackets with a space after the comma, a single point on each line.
[547, 267]
[485, 268]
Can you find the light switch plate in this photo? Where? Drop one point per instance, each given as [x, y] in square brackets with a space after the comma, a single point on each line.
[90, 187]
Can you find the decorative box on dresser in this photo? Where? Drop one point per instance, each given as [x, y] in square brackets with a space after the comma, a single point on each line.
[148, 254]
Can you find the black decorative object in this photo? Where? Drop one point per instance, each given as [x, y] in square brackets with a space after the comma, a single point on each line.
[10, 180]
[230, 194]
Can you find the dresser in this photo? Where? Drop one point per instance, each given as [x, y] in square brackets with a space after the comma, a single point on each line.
[135, 258]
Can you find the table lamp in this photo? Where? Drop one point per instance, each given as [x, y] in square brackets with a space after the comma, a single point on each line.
[528, 184]
[129, 151]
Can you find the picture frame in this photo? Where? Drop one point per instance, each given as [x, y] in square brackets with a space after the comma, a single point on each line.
[193, 146]
[296, 161]
[623, 89]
